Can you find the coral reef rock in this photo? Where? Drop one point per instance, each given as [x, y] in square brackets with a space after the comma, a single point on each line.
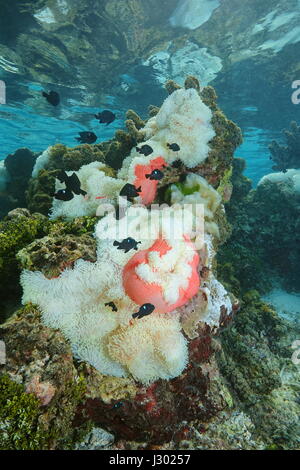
[287, 157]
[138, 304]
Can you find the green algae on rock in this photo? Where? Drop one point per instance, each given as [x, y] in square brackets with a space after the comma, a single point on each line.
[16, 231]
[52, 254]
[39, 192]
[72, 159]
[20, 231]
[19, 429]
[39, 401]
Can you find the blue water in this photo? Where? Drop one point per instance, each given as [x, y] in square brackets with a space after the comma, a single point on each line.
[20, 126]
[256, 152]
[35, 124]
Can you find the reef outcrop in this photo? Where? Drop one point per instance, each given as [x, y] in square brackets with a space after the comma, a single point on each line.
[15, 172]
[264, 246]
[130, 321]
[287, 157]
[97, 298]
[173, 263]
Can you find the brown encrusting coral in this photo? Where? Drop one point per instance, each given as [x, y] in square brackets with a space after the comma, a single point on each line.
[52, 254]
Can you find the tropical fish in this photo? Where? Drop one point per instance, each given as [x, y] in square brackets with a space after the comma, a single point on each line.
[105, 117]
[63, 195]
[130, 191]
[177, 164]
[127, 244]
[112, 305]
[174, 147]
[155, 175]
[73, 185]
[145, 150]
[144, 310]
[52, 97]
[87, 137]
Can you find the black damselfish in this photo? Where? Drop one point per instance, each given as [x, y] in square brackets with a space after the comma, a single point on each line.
[174, 147]
[87, 137]
[63, 195]
[112, 305]
[155, 175]
[144, 310]
[145, 150]
[127, 244]
[52, 97]
[106, 117]
[73, 186]
[130, 191]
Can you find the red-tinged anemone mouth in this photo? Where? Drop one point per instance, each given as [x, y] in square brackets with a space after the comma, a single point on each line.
[143, 291]
[148, 187]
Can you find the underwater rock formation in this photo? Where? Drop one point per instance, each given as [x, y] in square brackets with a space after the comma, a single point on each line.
[287, 157]
[4, 176]
[17, 230]
[183, 117]
[98, 302]
[264, 246]
[256, 361]
[40, 388]
[170, 376]
[166, 271]
[21, 230]
[15, 172]
[52, 254]
[120, 152]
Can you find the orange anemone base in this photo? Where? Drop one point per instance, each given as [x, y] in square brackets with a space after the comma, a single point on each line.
[148, 186]
[142, 292]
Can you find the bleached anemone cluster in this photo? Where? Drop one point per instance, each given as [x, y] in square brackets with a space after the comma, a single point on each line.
[41, 162]
[125, 313]
[183, 119]
[96, 183]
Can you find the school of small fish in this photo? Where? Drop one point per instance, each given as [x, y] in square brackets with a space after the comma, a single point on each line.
[129, 191]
